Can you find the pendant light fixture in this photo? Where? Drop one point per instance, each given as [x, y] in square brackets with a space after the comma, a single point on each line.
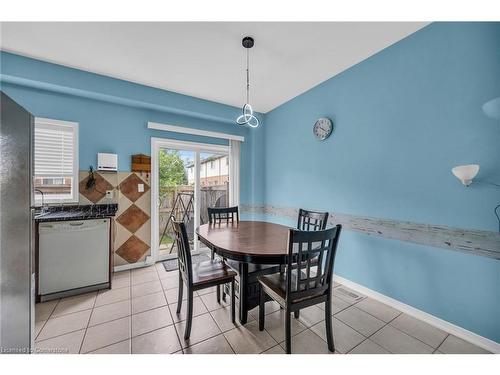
[247, 117]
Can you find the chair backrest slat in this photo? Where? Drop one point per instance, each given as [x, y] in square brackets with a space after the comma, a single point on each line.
[317, 279]
[218, 215]
[308, 264]
[312, 220]
[311, 255]
[183, 251]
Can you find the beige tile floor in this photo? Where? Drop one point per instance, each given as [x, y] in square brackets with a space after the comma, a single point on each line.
[138, 315]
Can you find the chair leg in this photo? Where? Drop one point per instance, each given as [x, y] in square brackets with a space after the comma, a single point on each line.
[282, 272]
[179, 301]
[224, 287]
[233, 301]
[189, 316]
[328, 321]
[296, 314]
[212, 254]
[218, 294]
[288, 332]
[224, 292]
[262, 307]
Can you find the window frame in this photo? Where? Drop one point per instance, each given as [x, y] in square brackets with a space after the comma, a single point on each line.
[75, 176]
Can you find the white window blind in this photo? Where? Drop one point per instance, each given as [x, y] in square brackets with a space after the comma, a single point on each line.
[56, 152]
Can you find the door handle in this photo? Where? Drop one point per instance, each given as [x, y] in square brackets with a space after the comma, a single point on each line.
[76, 224]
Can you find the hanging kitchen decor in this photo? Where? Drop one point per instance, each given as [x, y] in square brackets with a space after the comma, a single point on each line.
[141, 164]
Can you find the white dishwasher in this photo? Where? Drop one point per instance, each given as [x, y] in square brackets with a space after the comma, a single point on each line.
[73, 257]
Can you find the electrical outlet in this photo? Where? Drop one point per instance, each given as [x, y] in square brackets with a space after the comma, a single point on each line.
[140, 188]
[109, 194]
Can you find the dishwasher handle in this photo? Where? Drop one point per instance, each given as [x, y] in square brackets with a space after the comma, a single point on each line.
[72, 226]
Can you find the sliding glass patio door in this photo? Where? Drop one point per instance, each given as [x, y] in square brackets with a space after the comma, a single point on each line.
[175, 196]
[187, 178]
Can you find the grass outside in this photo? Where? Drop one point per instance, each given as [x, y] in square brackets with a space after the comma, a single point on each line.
[166, 240]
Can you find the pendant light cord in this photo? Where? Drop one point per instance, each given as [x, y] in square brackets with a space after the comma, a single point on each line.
[248, 76]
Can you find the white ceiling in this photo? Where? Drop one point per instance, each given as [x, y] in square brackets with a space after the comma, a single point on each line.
[206, 60]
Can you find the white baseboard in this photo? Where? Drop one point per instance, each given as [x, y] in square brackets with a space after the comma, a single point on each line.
[148, 261]
[125, 267]
[460, 332]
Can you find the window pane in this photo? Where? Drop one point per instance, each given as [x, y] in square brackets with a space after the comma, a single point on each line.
[55, 188]
[176, 196]
[214, 182]
[56, 151]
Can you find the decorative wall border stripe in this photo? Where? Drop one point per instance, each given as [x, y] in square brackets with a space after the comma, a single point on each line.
[470, 241]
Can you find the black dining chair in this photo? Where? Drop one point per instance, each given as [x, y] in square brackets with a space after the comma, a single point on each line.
[198, 276]
[304, 283]
[218, 215]
[311, 220]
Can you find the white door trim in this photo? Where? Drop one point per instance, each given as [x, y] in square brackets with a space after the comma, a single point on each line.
[156, 144]
[184, 130]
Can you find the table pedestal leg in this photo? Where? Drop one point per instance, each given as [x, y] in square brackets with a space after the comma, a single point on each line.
[243, 292]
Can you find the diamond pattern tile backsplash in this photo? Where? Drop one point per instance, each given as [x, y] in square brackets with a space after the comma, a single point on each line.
[132, 242]
[98, 192]
[132, 250]
[133, 218]
[128, 187]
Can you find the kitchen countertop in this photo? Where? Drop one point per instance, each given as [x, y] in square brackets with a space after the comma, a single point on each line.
[77, 212]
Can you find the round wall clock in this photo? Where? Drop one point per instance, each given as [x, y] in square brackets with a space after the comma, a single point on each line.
[322, 128]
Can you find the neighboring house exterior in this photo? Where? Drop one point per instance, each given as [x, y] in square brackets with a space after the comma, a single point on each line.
[53, 185]
[214, 171]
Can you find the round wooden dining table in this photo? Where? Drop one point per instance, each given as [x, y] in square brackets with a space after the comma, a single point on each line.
[253, 248]
[255, 242]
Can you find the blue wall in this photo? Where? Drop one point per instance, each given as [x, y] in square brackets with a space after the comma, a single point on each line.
[403, 118]
[113, 114]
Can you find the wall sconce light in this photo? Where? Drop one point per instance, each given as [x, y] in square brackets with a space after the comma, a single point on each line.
[465, 173]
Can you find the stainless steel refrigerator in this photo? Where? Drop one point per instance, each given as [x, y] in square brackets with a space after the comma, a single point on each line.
[16, 228]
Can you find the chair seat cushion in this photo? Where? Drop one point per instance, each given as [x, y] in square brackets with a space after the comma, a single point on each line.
[275, 285]
[211, 271]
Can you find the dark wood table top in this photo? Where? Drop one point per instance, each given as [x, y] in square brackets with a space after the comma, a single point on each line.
[247, 241]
